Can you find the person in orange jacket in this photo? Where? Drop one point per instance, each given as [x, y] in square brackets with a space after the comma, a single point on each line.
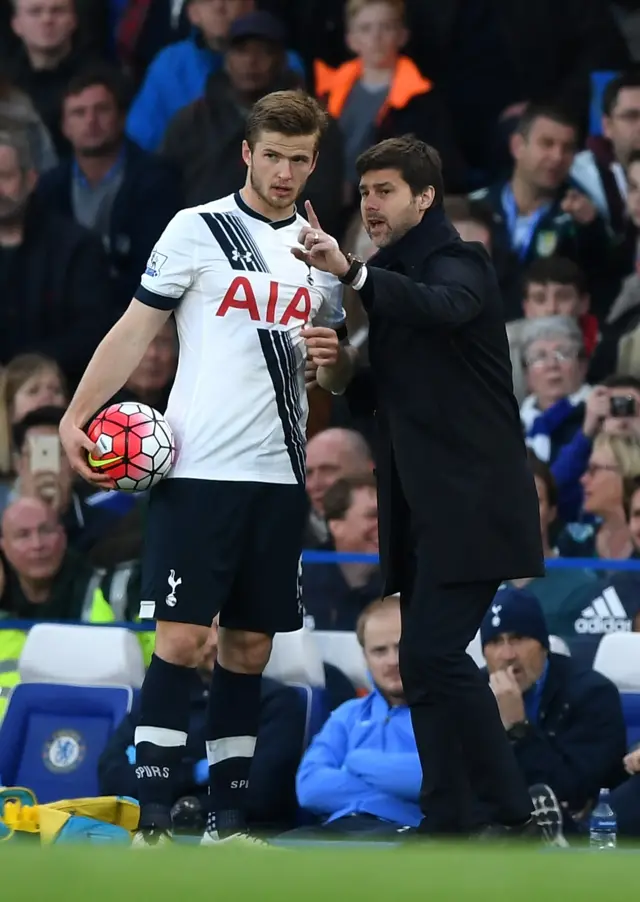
[382, 93]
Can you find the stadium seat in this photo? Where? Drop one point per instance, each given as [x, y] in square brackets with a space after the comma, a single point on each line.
[343, 650]
[53, 735]
[81, 655]
[618, 657]
[295, 658]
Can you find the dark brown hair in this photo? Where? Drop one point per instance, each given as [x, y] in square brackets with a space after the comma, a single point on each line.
[338, 497]
[418, 163]
[555, 269]
[289, 113]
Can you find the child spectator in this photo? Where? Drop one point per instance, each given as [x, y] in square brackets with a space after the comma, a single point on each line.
[381, 93]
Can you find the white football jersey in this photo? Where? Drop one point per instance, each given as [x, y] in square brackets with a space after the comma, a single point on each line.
[238, 407]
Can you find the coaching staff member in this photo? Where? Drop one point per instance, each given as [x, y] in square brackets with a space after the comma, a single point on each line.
[458, 507]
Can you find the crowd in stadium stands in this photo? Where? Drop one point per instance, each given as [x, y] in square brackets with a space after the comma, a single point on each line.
[114, 114]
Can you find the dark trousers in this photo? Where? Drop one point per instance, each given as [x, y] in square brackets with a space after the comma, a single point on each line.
[352, 826]
[464, 752]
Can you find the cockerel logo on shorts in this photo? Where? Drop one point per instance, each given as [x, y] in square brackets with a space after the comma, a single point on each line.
[171, 599]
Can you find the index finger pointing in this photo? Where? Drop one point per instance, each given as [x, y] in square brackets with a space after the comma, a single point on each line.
[313, 219]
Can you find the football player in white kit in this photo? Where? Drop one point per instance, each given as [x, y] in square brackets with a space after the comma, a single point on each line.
[225, 528]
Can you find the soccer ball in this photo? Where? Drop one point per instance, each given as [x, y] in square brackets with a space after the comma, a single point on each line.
[134, 443]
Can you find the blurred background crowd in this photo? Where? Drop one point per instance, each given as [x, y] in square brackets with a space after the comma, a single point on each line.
[116, 113]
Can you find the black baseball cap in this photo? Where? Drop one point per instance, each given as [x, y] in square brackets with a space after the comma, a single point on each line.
[257, 25]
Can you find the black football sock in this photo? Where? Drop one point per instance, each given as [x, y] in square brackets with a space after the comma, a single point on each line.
[233, 716]
[160, 739]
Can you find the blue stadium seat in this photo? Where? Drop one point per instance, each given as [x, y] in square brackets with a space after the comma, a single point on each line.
[631, 709]
[52, 736]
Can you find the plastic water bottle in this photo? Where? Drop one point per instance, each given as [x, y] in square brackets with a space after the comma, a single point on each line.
[603, 828]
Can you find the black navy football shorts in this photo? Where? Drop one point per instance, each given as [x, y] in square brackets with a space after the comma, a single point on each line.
[231, 548]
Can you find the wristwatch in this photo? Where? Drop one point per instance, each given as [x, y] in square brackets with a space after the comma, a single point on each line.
[355, 268]
[519, 730]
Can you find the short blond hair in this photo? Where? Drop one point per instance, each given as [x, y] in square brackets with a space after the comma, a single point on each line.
[355, 7]
[380, 604]
[625, 450]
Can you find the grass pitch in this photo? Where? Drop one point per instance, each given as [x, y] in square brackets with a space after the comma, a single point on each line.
[188, 874]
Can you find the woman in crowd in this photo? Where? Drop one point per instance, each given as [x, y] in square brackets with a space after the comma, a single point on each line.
[614, 459]
[28, 382]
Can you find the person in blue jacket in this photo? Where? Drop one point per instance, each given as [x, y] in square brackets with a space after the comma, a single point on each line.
[179, 73]
[361, 774]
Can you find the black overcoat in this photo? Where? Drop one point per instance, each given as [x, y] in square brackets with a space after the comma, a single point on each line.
[451, 459]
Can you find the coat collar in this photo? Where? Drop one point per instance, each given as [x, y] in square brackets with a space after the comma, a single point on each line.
[430, 235]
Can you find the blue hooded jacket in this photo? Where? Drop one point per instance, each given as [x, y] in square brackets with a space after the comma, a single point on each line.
[175, 78]
[365, 761]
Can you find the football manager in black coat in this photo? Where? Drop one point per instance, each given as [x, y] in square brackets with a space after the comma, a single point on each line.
[458, 510]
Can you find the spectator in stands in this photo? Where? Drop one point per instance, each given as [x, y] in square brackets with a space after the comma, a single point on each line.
[600, 170]
[614, 458]
[561, 589]
[44, 579]
[382, 94]
[540, 211]
[44, 472]
[271, 799]
[361, 775]
[566, 724]
[179, 73]
[552, 286]
[40, 579]
[331, 455]
[203, 139]
[17, 112]
[27, 382]
[54, 277]
[334, 595]
[151, 381]
[124, 194]
[613, 408]
[47, 58]
[554, 361]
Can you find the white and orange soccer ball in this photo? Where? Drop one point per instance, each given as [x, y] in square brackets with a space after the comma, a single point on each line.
[134, 445]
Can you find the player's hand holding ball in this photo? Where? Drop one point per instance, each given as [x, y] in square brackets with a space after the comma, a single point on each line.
[130, 447]
[77, 446]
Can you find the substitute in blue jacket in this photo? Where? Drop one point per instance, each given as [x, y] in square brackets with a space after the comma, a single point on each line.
[565, 723]
[179, 73]
[362, 774]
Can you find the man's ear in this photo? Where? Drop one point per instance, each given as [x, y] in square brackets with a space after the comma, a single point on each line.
[516, 145]
[584, 304]
[246, 153]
